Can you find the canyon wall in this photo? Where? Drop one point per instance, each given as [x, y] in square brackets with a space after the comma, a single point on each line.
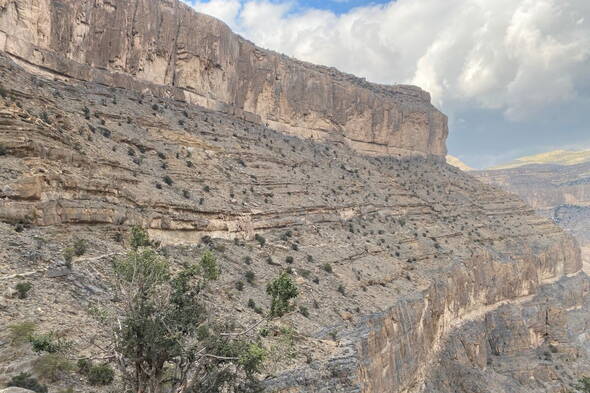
[559, 192]
[422, 257]
[164, 47]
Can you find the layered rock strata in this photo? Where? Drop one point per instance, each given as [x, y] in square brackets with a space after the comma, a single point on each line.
[559, 192]
[164, 47]
[397, 260]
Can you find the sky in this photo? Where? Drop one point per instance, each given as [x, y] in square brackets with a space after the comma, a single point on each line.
[513, 76]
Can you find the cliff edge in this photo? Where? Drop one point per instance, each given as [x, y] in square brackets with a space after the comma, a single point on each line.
[165, 47]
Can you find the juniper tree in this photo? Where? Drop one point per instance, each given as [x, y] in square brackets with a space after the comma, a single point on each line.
[165, 340]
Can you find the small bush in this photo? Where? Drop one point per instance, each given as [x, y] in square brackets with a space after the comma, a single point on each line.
[52, 367]
[80, 247]
[186, 194]
[304, 311]
[3, 150]
[22, 289]
[240, 285]
[260, 239]
[100, 374]
[21, 332]
[68, 254]
[209, 265]
[139, 237]
[84, 366]
[47, 343]
[289, 259]
[327, 268]
[26, 381]
[282, 290]
[341, 289]
[168, 180]
[250, 276]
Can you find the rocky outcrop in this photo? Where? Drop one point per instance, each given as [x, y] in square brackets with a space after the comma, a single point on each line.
[559, 192]
[165, 47]
[399, 261]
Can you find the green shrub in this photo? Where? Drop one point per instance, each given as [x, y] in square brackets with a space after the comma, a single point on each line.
[289, 259]
[168, 180]
[100, 374]
[68, 254]
[327, 267]
[260, 239]
[52, 367]
[139, 237]
[250, 276]
[282, 289]
[21, 332]
[583, 385]
[48, 342]
[3, 150]
[209, 266]
[84, 366]
[26, 381]
[304, 311]
[240, 285]
[22, 289]
[80, 247]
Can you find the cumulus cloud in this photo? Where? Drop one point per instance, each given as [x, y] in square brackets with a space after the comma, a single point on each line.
[515, 57]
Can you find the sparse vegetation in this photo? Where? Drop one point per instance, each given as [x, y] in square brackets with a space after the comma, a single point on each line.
[98, 374]
[26, 381]
[282, 290]
[209, 265]
[52, 367]
[250, 276]
[22, 289]
[139, 238]
[21, 332]
[80, 247]
[164, 322]
[260, 239]
[48, 342]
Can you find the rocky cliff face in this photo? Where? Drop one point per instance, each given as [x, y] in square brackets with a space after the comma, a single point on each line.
[413, 276]
[559, 192]
[164, 47]
[435, 280]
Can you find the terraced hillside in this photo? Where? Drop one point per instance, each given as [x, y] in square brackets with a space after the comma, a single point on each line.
[559, 192]
[413, 276]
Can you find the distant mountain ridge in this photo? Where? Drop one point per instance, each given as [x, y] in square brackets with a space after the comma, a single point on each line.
[556, 184]
[457, 163]
[557, 157]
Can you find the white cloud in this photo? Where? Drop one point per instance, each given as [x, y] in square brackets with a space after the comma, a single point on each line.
[516, 56]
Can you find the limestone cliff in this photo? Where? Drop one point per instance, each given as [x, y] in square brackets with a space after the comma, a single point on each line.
[413, 276]
[560, 192]
[163, 46]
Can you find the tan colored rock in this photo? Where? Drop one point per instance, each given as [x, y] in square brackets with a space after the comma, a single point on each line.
[13, 389]
[166, 47]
